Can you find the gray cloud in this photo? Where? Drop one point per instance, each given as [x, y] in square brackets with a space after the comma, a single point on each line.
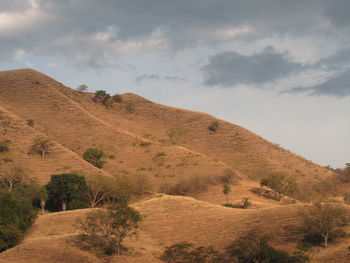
[337, 86]
[14, 5]
[104, 30]
[231, 68]
[146, 77]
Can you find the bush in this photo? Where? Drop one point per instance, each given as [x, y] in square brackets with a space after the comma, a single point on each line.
[102, 97]
[9, 236]
[145, 144]
[190, 185]
[30, 122]
[255, 247]
[347, 198]
[94, 156]
[4, 146]
[117, 98]
[280, 183]
[141, 184]
[66, 191]
[245, 203]
[214, 126]
[186, 253]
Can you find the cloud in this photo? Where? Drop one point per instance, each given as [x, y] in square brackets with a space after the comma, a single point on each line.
[230, 68]
[337, 86]
[37, 25]
[146, 77]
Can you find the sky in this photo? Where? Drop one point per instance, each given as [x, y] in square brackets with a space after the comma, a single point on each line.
[278, 68]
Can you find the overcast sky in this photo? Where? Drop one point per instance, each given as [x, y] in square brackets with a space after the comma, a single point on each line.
[279, 68]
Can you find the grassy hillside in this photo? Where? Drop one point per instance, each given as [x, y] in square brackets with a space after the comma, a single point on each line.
[163, 142]
[167, 219]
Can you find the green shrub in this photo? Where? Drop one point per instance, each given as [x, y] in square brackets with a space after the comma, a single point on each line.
[347, 198]
[186, 253]
[145, 144]
[255, 247]
[4, 146]
[30, 122]
[245, 203]
[9, 236]
[214, 126]
[94, 156]
[102, 97]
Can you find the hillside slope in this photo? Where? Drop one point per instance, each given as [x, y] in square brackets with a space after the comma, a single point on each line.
[167, 219]
[32, 95]
[21, 137]
[180, 137]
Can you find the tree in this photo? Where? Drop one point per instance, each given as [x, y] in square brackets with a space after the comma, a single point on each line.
[41, 146]
[16, 215]
[141, 184]
[102, 97]
[43, 196]
[325, 220]
[82, 88]
[13, 178]
[65, 189]
[94, 156]
[226, 189]
[100, 188]
[345, 175]
[109, 228]
[254, 247]
[280, 183]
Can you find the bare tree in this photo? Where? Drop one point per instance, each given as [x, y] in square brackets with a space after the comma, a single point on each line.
[15, 176]
[100, 188]
[41, 146]
[82, 88]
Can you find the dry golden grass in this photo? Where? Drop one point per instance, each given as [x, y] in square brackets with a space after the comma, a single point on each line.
[180, 146]
[168, 219]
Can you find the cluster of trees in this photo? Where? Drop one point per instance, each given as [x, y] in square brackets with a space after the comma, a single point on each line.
[254, 247]
[281, 184]
[74, 191]
[104, 98]
[16, 210]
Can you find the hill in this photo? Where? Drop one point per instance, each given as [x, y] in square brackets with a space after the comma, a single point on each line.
[163, 142]
[167, 219]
